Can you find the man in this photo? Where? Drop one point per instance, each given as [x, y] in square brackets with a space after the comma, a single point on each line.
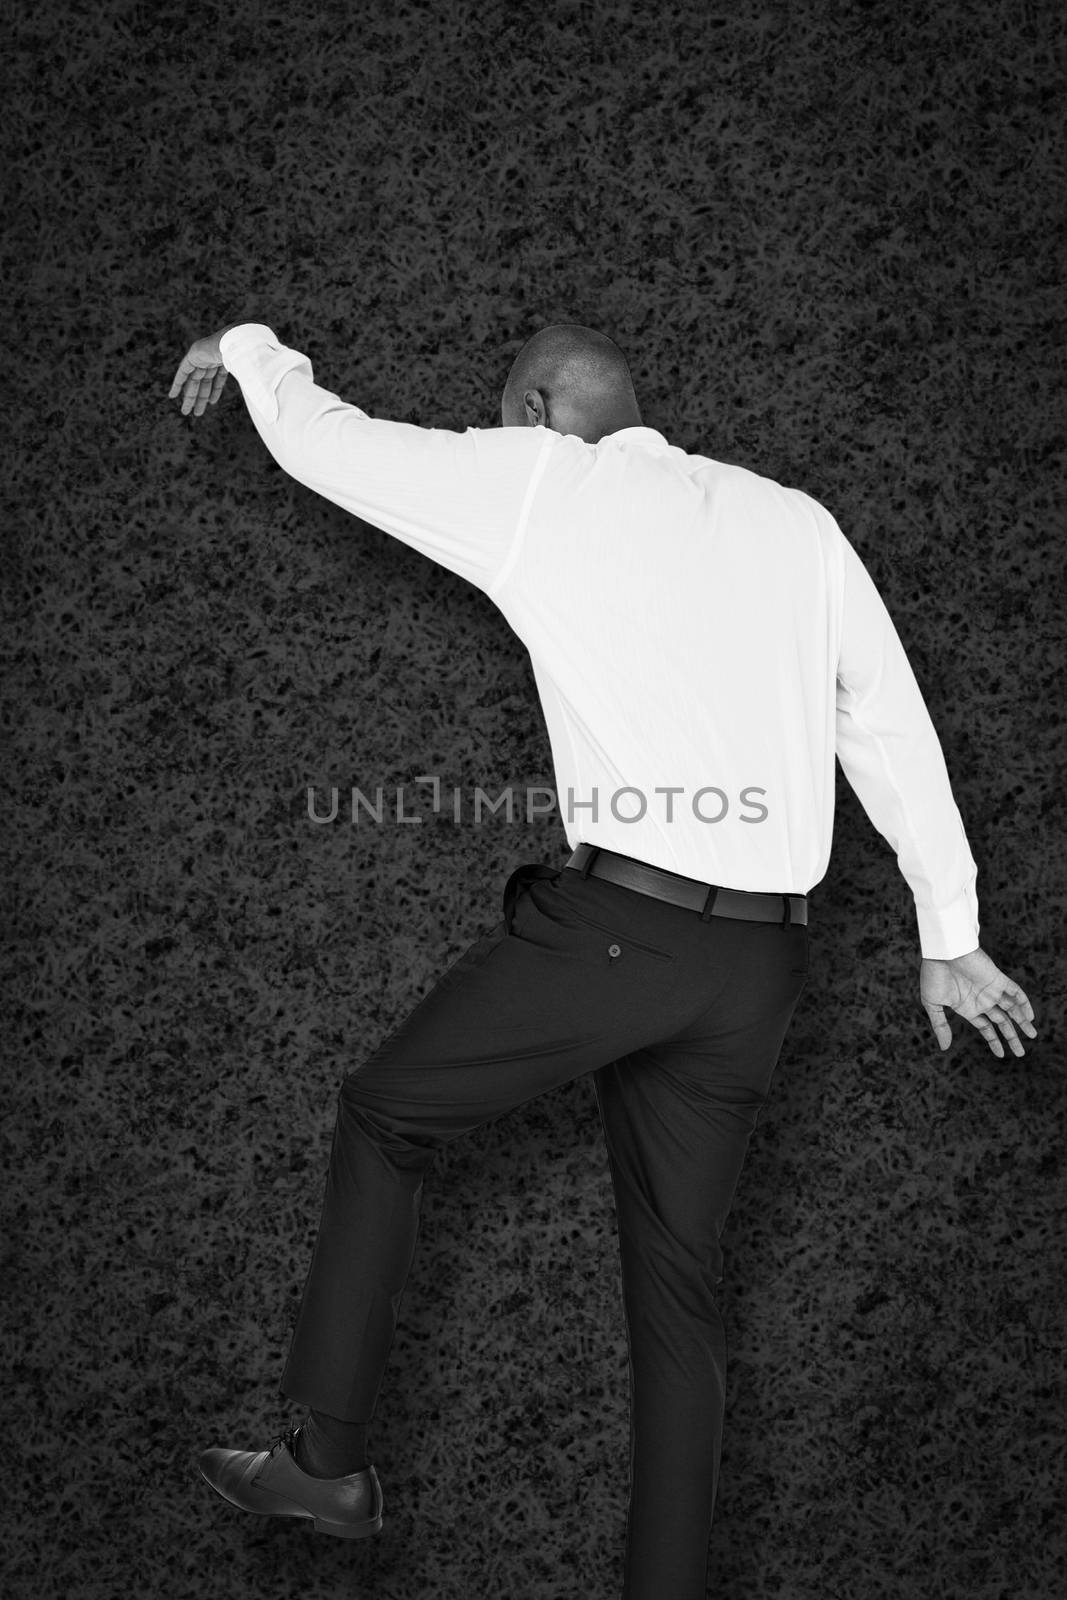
[704, 642]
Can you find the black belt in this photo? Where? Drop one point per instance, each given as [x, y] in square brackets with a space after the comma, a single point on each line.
[707, 898]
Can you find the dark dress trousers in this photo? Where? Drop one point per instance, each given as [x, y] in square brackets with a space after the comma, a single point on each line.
[681, 1021]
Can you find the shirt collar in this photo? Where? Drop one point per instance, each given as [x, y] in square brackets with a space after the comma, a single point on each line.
[649, 438]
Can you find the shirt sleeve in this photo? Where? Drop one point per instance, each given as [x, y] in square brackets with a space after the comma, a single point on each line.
[459, 498]
[890, 754]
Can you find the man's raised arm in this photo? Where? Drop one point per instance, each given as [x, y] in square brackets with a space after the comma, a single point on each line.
[459, 498]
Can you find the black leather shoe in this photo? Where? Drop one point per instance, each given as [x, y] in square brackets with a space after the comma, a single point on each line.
[270, 1482]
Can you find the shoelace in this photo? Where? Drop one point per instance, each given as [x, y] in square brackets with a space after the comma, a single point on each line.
[286, 1438]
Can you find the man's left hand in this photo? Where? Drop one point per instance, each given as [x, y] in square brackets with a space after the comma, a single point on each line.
[201, 377]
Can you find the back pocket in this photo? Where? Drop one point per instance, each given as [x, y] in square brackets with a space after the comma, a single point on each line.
[547, 902]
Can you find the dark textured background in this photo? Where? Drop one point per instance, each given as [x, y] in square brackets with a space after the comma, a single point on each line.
[828, 237]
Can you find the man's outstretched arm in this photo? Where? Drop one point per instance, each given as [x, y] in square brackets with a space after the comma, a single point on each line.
[459, 498]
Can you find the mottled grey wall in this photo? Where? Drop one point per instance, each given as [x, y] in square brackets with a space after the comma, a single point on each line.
[829, 238]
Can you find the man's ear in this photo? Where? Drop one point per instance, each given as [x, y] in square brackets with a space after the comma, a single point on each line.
[536, 410]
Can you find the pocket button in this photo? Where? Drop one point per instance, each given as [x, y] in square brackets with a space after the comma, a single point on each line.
[614, 950]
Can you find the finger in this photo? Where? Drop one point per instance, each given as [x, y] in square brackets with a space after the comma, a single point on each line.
[942, 1031]
[1019, 1010]
[180, 377]
[989, 1034]
[209, 389]
[192, 390]
[1015, 1001]
[995, 1014]
[218, 383]
[203, 394]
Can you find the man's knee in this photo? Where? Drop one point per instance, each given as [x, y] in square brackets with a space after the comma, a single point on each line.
[367, 1083]
[371, 1119]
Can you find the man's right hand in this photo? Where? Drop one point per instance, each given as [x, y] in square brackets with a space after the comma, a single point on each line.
[975, 988]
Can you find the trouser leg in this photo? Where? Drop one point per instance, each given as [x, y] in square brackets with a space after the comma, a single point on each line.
[677, 1119]
[533, 1005]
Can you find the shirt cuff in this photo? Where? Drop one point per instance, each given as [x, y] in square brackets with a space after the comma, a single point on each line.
[259, 361]
[243, 337]
[949, 931]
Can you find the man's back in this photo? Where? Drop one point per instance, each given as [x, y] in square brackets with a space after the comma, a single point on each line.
[682, 618]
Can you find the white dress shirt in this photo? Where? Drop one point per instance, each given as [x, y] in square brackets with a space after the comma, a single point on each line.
[691, 625]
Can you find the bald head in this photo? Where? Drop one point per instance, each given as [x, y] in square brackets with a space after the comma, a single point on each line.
[573, 380]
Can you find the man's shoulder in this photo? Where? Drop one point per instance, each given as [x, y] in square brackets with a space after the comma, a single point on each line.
[757, 495]
[751, 479]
